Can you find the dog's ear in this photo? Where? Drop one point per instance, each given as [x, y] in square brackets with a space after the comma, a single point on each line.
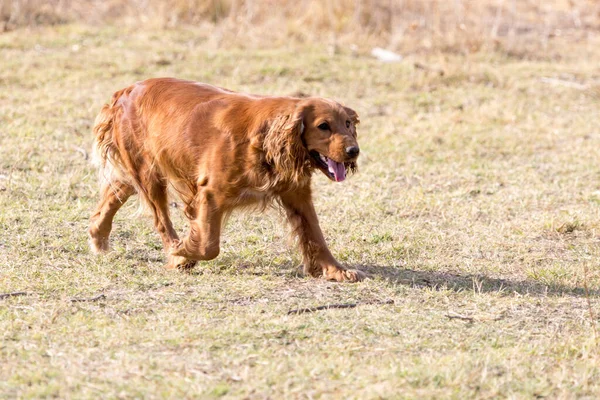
[283, 145]
[353, 115]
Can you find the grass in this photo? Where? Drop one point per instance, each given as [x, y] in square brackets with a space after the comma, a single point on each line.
[477, 198]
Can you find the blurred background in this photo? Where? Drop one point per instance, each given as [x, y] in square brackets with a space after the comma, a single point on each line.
[517, 27]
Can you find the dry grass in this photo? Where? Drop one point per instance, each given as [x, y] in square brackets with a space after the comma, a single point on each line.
[523, 27]
[476, 211]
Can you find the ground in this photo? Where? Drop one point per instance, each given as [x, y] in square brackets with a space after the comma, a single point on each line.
[475, 213]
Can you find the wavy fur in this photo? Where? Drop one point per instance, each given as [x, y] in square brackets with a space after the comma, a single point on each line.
[284, 148]
[220, 151]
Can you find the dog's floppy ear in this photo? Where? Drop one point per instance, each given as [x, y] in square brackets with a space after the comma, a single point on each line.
[283, 145]
[353, 115]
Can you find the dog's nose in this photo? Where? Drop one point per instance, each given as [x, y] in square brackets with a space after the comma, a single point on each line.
[352, 151]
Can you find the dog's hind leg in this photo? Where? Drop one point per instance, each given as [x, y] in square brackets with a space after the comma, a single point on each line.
[113, 196]
[157, 196]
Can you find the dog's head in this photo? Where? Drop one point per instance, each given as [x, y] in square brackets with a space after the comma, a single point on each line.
[319, 134]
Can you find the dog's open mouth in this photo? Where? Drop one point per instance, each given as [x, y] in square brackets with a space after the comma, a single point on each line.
[334, 170]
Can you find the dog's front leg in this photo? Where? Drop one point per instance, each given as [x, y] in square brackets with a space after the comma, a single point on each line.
[203, 239]
[318, 260]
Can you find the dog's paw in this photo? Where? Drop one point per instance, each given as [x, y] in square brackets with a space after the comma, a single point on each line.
[177, 261]
[98, 245]
[345, 275]
[354, 275]
[180, 263]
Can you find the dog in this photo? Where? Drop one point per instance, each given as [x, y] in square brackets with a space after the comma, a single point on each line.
[220, 150]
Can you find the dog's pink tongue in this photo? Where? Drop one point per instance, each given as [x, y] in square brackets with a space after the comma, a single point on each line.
[338, 170]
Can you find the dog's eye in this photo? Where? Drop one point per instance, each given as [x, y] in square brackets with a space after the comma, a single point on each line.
[324, 127]
[347, 124]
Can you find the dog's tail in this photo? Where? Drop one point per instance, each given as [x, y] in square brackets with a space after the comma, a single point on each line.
[115, 164]
[105, 151]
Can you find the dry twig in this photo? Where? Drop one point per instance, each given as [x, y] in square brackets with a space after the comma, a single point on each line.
[453, 315]
[13, 294]
[96, 298]
[328, 306]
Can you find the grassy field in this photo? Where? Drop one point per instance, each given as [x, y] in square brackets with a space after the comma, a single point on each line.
[476, 214]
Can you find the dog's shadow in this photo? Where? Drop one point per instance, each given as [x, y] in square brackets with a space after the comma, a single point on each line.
[472, 282]
[457, 282]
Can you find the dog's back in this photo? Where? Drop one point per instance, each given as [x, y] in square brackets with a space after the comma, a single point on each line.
[145, 129]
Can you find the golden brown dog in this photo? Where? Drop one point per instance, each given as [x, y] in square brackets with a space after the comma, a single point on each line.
[220, 150]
